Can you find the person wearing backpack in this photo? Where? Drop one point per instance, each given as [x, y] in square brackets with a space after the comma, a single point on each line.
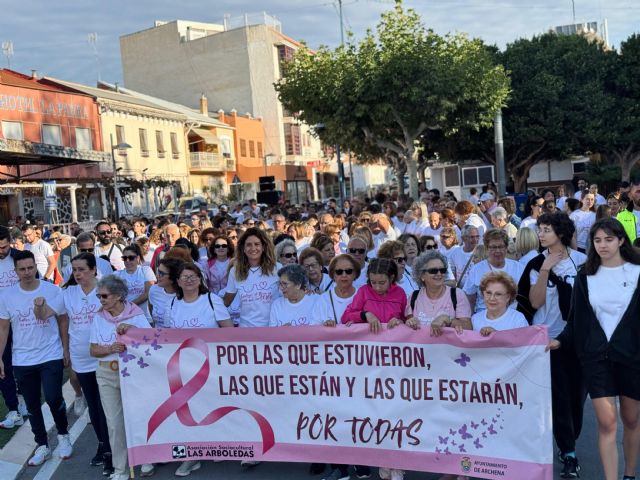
[106, 248]
[436, 304]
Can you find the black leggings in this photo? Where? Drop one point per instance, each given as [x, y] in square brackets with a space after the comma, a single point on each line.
[89, 387]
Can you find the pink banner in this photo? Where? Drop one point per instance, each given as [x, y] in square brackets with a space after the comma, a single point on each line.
[460, 404]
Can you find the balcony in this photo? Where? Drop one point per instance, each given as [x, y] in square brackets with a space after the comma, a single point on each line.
[210, 162]
[20, 152]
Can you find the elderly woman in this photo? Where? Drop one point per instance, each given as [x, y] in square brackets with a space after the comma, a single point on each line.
[343, 270]
[448, 241]
[311, 260]
[357, 248]
[325, 245]
[436, 304]
[500, 219]
[115, 317]
[295, 307]
[499, 291]
[139, 277]
[394, 250]
[286, 252]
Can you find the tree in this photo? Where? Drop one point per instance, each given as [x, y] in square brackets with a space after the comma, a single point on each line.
[393, 87]
[622, 142]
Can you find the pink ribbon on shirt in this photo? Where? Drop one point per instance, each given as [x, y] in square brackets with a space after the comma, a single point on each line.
[181, 393]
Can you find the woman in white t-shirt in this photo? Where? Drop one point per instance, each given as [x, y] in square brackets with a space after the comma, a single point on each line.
[217, 267]
[253, 278]
[498, 291]
[343, 270]
[311, 260]
[81, 305]
[602, 328]
[295, 307]
[583, 219]
[162, 293]
[115, 317]
[139, 277]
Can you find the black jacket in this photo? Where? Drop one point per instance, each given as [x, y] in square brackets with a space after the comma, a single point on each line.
[584, 333]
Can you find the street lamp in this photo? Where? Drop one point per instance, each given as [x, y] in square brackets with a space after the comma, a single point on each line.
[116, 193]
[144, 187]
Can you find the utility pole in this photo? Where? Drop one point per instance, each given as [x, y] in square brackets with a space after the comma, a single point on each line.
[499, 144]
[92, 38]
[7, 51]
[573, 5]
[341, 182]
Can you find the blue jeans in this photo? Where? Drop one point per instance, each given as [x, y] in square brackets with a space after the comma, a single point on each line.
[45, 377]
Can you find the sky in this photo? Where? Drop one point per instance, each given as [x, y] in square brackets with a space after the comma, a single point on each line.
[52, 37]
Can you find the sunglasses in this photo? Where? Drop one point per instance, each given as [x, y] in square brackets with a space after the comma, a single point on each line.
[434, 271]
[234, 237]
[86, 250]
[431, 247]
[220, 245]
[358, 251]
[103, 296]
[400, 259]
[346, 271]
[131, 258]
[104, 232]
[289, 255]
[160, 273]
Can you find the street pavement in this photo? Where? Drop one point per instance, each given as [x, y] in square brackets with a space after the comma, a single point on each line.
[77, 468]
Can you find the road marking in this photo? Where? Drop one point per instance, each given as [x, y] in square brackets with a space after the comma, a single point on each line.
[50, 466]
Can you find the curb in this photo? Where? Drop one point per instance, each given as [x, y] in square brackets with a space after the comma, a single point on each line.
[16, 453]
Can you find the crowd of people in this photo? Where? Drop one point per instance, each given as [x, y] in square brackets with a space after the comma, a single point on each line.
[568, 263]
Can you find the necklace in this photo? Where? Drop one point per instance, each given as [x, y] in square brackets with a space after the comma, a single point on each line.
[433, 302]
[254, 269]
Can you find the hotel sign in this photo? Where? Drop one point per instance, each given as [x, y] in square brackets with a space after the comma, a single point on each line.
[27, 104]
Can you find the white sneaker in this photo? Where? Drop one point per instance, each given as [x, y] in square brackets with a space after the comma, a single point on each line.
[249, 463]
[147, 469]
[119, 476]
[39, 456]
[22, 407]
[397, 474]
[65, 450]
[79, 405]
[13, 419]
[384, 473]
[185, 468]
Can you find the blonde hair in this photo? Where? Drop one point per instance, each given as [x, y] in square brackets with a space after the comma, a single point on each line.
[526, 240]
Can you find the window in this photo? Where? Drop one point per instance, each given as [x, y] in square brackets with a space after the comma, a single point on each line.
[243, 148]
[83, 139]
[259, 149]
[225, 142]
[252, 149]
[579, 166]
[120, 138]
[451, 176]
[159, 144]
[175, 152]
[144, 142]
[12, 130]
[474, 176]
[51, 134]
[292, 138]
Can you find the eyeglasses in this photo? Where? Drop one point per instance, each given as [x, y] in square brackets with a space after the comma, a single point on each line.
[430, 247]
[496, 295]
[130, 258]
[434, 271]
[345, 271]
[103, 296]
[104, 232]
[284, 284]
[189, 278]
[289, 255]
[209, 239]
[497, 247]
[162, 274]
[86, 250]
[400, 259]
[234, 237]
[220, 245]
[311, 266]
[358, 251]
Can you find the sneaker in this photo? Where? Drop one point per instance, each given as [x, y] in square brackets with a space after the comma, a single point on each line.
[384, 473]
[13, 419]
[317, 468]
[97, 460]
[22, 407]
[107, 467]
[65, 450]
[571, 468]
[147, 469]
[336, 474]
[39, 456]
[249, 463]
[185, 468]
[397, 474]
[119, 476]
[362, 471]
[79, 405]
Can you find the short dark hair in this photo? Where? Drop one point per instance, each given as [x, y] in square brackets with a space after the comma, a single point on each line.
[90, 260]
[383, 266]
[100, 223]
[135, 248]
[562, 226]
[23, 255]
[5, 233]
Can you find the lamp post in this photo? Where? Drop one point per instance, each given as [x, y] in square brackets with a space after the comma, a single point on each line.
[116, 194]
[144, 187]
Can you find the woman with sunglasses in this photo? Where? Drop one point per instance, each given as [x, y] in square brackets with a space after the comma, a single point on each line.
[286, 252]
[428, 242]
[138, 277]
[81, 305]
[217, 267]
[115, 317]
[536, 205]
[394, 250]
[295, 307]
[436, 304]
[343, 270]
[602, 328]
[162, 293]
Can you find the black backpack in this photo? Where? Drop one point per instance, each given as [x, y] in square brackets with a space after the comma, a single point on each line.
[452, 290]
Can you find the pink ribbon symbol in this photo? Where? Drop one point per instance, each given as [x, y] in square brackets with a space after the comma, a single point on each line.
[181, 394]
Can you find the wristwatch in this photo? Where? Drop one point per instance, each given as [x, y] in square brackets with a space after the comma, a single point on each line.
[363, 316]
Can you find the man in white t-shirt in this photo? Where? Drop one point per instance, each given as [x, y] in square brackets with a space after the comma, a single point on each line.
[33, 308]
[106, 247]
[459, 258]
[42, 251]
[582, 184]
[85, 244]
[496, 242]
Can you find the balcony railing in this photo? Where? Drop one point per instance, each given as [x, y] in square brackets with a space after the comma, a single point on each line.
[212, 162]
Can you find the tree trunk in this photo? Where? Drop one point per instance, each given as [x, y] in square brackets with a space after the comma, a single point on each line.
[628, 160]
[520, 178]
[400, 179]
[412, 170]
[421, 176]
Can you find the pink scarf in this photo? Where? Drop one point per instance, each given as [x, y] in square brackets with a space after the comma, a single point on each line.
[130, 310]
